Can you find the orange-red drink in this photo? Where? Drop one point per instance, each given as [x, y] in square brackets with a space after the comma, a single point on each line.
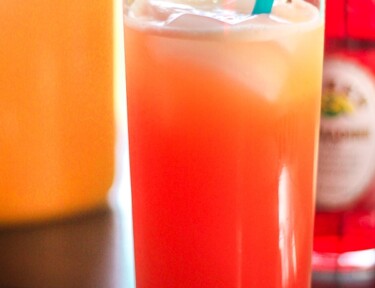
[223, 122]
[56, 107]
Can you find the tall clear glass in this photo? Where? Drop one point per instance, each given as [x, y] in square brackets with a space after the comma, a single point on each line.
[223, 114]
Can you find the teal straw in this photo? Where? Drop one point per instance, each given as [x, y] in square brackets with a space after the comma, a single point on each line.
[262, 7]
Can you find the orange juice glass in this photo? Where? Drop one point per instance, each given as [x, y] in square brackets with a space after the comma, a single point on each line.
[57, 130]
[223, 124]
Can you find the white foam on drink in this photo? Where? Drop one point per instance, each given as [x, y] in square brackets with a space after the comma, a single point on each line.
[210, 17]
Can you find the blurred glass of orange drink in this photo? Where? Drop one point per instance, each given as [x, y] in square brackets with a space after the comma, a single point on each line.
[56, 108]
[223, 112]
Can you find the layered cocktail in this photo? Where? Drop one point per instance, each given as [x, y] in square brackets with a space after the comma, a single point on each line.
[223, 111]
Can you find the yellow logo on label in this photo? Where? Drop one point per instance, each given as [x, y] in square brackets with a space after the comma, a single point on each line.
[336, 102]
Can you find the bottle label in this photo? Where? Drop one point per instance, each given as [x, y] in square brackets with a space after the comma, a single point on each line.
[346, 162]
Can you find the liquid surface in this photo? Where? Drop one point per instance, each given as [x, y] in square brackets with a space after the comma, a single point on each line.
[197, 17]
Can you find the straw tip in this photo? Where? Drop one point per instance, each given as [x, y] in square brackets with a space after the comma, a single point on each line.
[262, 7]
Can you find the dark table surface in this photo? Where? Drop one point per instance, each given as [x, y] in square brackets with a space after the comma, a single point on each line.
[92, 251]
[89, 251]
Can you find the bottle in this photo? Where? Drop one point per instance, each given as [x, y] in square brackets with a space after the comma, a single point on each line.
[344, 236]
[57, 112]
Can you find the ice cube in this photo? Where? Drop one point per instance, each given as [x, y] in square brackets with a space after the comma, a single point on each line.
[162, 10]
[265, 69]
[295, 11]
[260, 65]
[194, 22]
